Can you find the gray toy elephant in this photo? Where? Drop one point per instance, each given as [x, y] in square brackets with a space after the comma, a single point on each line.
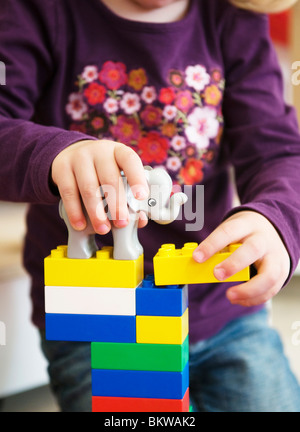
[159, 206]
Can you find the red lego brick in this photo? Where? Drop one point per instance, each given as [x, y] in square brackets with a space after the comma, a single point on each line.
[127, 404]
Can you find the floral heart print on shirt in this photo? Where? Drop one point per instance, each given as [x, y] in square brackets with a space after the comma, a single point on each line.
[178, 126]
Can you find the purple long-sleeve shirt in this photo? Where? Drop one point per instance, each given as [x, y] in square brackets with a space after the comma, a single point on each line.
[194, 96]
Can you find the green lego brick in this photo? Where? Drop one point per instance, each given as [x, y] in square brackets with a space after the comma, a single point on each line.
[139, 356]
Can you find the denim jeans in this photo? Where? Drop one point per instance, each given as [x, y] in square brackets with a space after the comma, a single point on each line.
[241, 369]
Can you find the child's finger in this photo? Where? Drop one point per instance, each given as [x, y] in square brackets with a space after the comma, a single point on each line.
[114, 192]
[130, 163]
[248, 253]
[230, 231]
[88, 185]
[143, 220]
[71, 199]
[261, 288]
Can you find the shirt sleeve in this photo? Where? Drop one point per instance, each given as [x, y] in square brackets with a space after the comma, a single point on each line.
[261, 138]
[27, 39]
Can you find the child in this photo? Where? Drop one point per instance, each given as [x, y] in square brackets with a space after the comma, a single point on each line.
[94, 87]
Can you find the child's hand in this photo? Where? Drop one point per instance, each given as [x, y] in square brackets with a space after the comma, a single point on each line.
[79, 170]
[261, 246]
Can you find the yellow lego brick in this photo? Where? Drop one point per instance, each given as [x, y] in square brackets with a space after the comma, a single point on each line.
[162, 329]
[99, 271]
[177, 266]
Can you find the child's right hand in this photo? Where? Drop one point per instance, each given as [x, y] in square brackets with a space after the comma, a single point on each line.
[79, 170]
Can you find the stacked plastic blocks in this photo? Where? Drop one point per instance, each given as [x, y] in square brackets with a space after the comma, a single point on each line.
[138, 328]
[138, 331]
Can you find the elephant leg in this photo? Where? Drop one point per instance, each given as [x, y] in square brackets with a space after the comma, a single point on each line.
[124, 245]
[81, 245]
[136, 242]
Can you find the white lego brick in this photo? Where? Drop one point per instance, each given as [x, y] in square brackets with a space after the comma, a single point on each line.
[90, 300]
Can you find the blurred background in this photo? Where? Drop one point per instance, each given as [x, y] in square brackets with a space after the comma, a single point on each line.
[23, 369]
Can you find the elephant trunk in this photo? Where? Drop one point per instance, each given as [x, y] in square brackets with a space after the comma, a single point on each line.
[170, 213]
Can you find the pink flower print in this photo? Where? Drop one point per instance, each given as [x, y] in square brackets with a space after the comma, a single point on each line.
[169, 112]
[113, 74]
[168, 129]
[190, 151]
[151, 115]
[137, 78]
[178, 143]
[216, 75]
[95, 93]
[197, 77]
[212, 95]
[126, 130]
[130, 103]
[89, 74]
[76, 107]
[148, 94]
[153, 148]
[166, 95]
[202, 127]
[111, 105]
[176, 78]
[99, 123]
[173, 163]
[184, 101]
[192, 171]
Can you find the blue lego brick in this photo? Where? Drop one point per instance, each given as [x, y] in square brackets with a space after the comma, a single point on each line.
[170, 300]
[140, 384]
[90, 328]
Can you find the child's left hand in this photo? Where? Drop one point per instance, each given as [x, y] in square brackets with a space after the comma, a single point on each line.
[261, 246]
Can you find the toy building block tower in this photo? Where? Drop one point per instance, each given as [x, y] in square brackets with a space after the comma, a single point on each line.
[137, 327]
[138, 332]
